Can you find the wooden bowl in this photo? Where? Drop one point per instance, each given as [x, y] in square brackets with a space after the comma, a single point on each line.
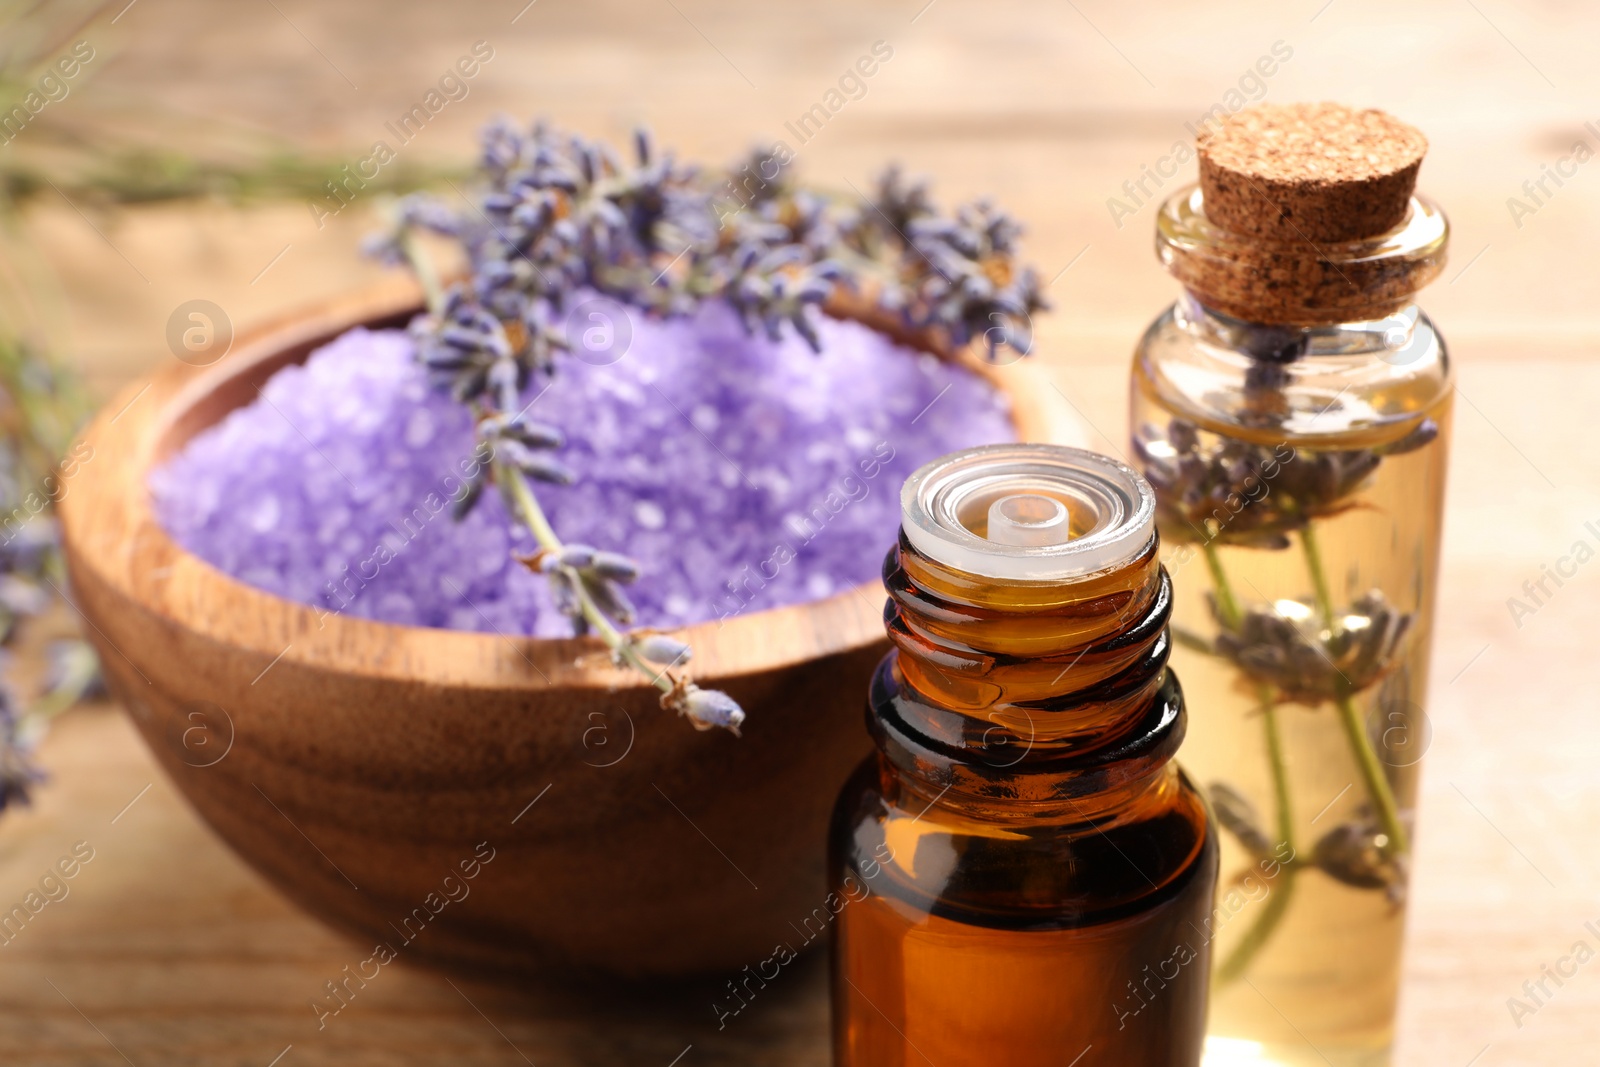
[473, 799]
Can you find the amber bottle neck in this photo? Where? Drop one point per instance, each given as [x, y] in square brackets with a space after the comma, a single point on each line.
[1027, 698]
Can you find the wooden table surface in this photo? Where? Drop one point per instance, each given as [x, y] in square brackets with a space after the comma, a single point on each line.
[169, 951]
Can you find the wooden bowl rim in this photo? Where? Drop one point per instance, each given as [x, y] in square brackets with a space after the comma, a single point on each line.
[134, 437]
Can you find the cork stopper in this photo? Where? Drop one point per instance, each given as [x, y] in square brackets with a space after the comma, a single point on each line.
[1309, 172]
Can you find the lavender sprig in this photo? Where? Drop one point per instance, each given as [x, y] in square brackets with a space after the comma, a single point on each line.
[1307, 659]
[487, 362]
[957, 274]
[560, 216]
[41, 405]
[18, 774]
[587, 588]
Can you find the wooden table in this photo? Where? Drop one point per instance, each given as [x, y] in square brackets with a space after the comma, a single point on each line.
[168, 951]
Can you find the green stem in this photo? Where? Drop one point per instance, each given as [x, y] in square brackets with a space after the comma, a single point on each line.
[1227, 603]
[1280, 770]
[1244, 953]
[1228, 606]
[1266, 923]
[532, 515]
[1355, 731]
[1256, 938]
[1319, 576]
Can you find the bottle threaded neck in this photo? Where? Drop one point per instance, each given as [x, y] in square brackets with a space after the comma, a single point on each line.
[1028, 608]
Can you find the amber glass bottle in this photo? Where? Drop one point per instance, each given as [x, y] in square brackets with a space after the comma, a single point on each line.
[1292, 411]
[1030, 874]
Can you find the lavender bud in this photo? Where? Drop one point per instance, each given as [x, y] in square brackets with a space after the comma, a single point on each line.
[444, 358]
[578, 556]
[830, 269]
[495, 273]
[536, 465]
[615, 566]
[383, 247]
[609, 598]
[814, 290]
[610, 214]
[424, 211]
[659, 648]
[804, 327]
[566, 600]
[470, 493]
[543, 469]
[460, 338]
[706, 708]
[535, 434]
[977, 287]
[782, 256]
[469, 385]
[503, 377]
[22, 597]
[503, 374]
[753, 288]
[528, 216]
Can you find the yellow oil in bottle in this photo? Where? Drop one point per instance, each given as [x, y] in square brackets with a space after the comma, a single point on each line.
[1304, 548]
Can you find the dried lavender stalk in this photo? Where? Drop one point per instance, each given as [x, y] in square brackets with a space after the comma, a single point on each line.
[562, 216]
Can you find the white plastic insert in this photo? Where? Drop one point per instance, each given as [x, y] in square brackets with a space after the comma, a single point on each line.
[1026, 512]
[1029, 520]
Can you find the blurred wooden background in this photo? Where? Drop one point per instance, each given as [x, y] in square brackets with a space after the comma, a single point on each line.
[169, 951]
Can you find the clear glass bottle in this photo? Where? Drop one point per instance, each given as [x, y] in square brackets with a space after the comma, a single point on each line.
[1027, 875]
[1297, 450]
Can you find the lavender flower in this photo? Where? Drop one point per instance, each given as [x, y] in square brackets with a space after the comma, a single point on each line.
[1358, 854]
[705, 708]
[957, 275]
[974, 291]
[41, 406]
[561, 215]
[902, 203]
[1240, 493]
[1284, 645]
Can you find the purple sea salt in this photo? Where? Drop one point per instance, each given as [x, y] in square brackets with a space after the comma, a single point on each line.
[741, 473]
